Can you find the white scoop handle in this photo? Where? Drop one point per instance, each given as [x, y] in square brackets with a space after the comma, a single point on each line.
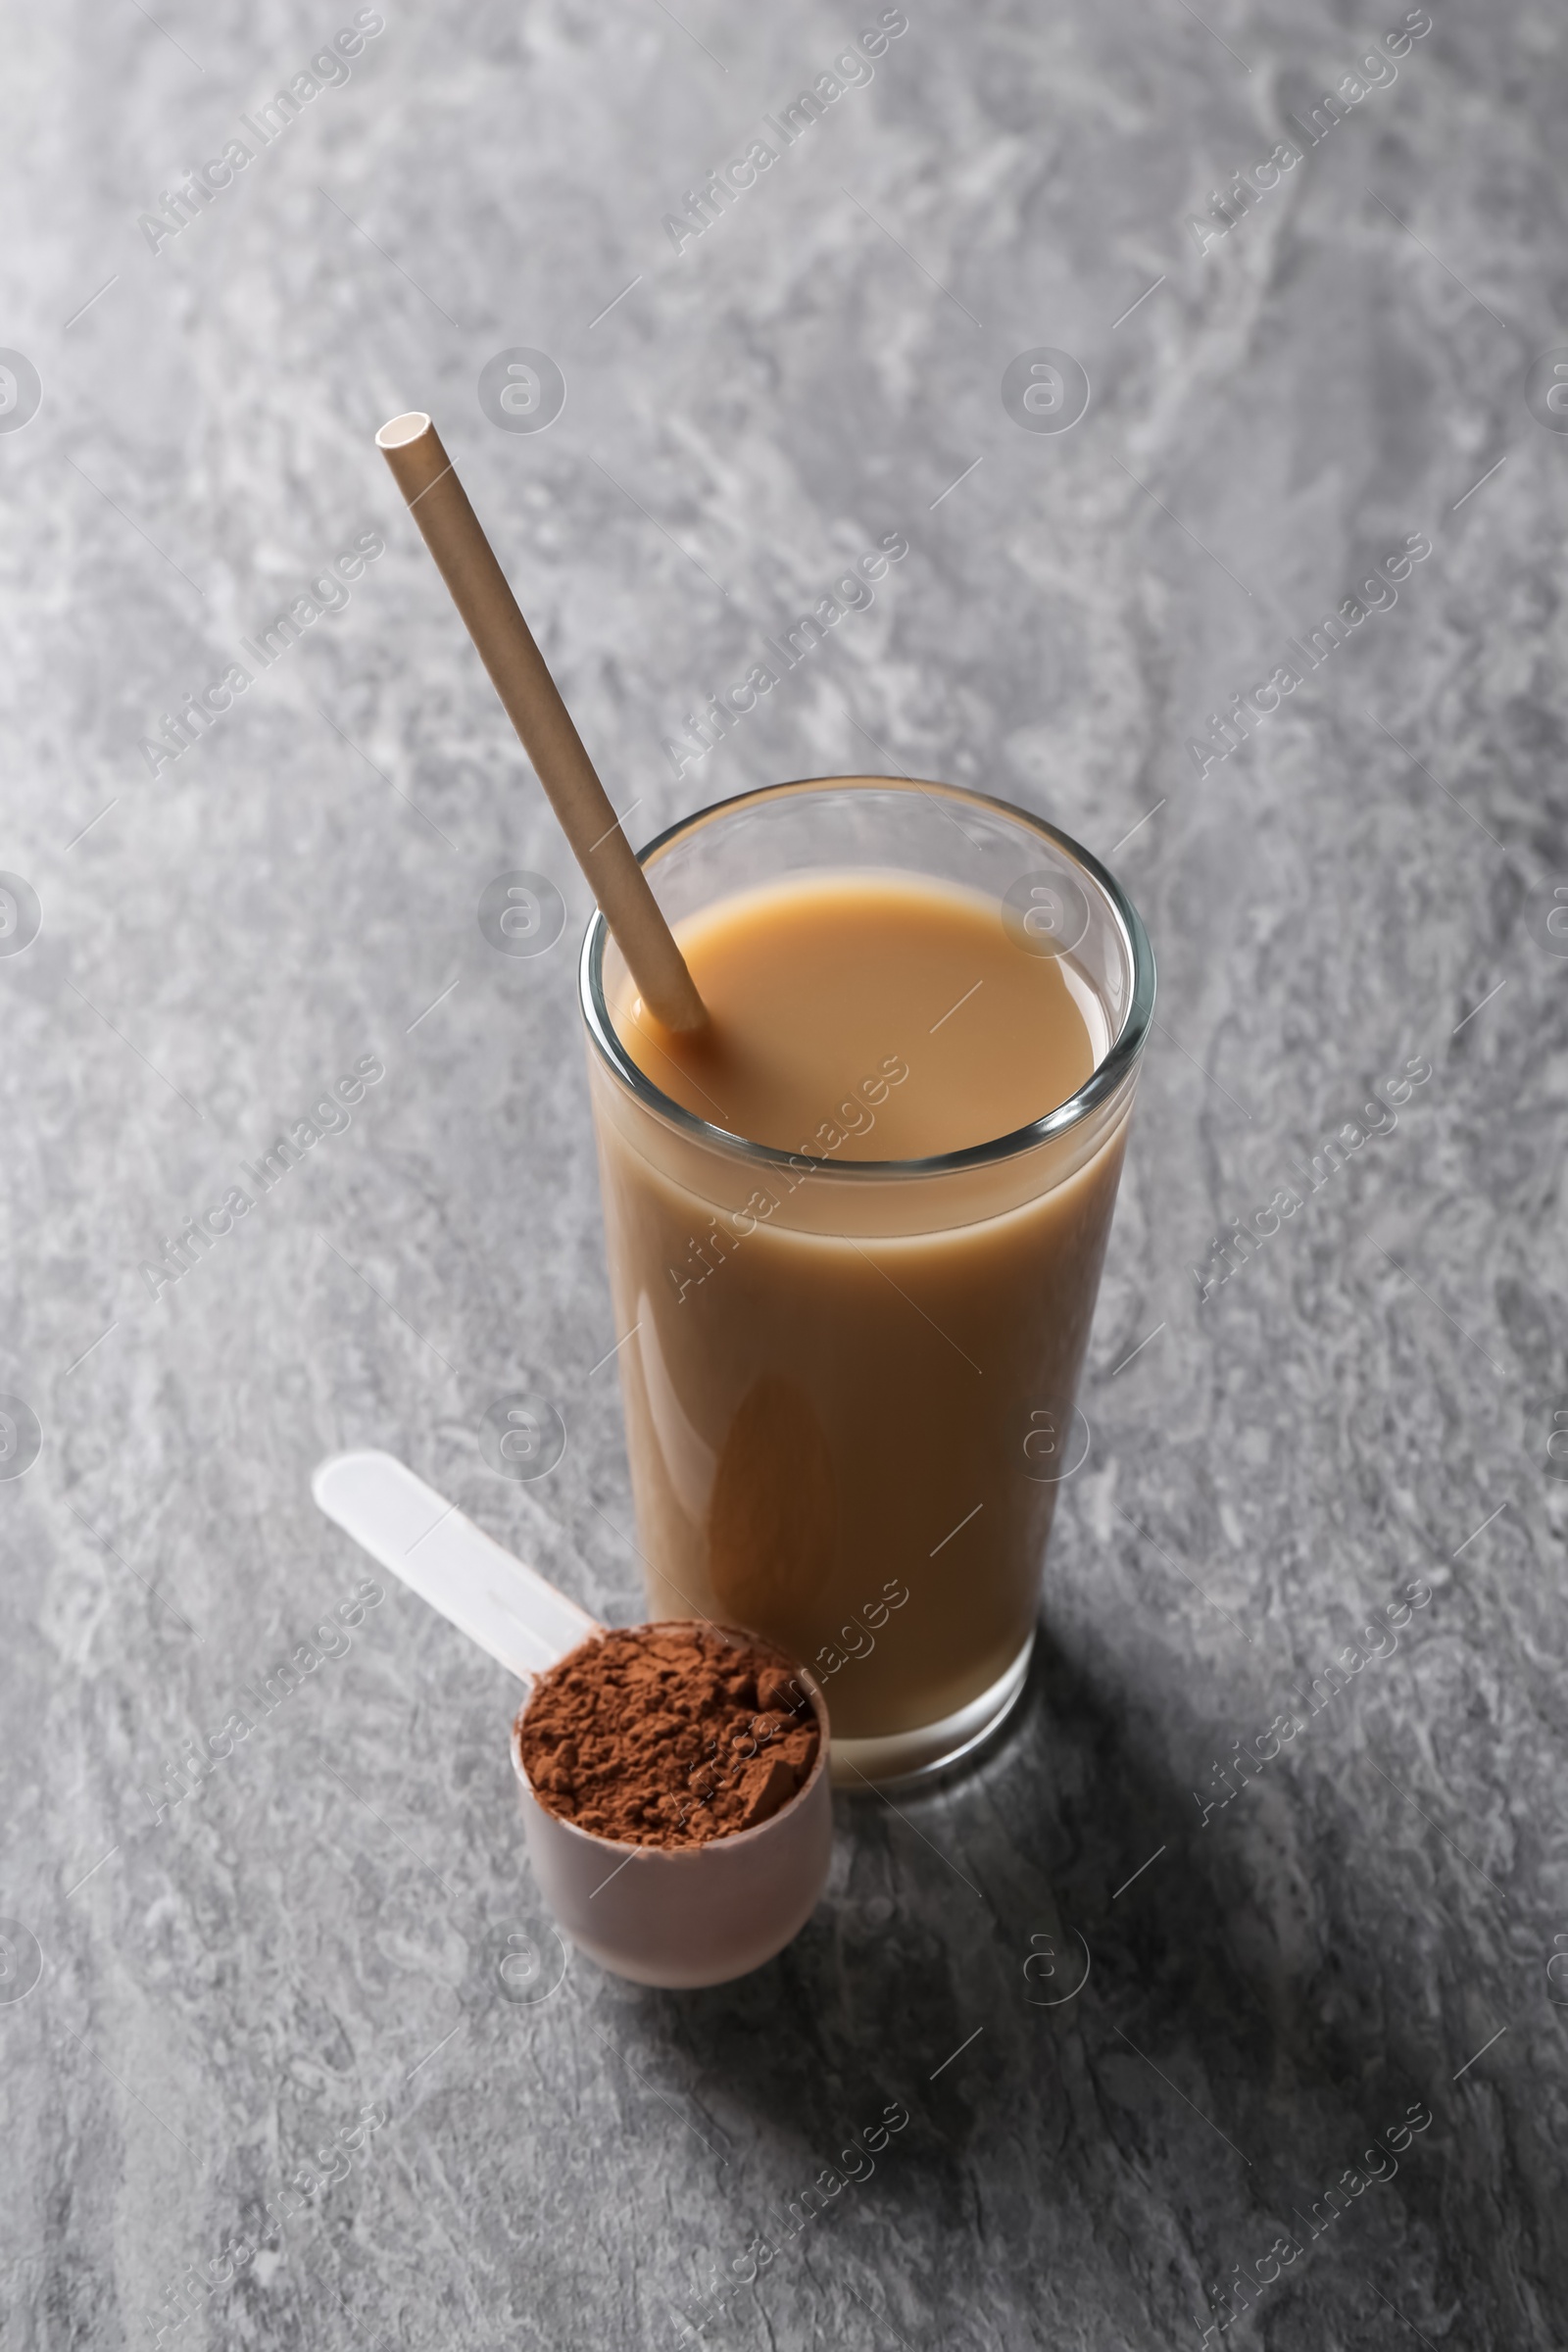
[465, 1575]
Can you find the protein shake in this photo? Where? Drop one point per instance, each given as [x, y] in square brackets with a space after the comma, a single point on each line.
[855, 1232]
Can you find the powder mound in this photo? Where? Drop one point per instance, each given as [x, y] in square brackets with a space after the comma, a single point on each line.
[668, 1734]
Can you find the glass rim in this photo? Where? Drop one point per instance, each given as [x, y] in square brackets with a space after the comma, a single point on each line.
[1118, 1061]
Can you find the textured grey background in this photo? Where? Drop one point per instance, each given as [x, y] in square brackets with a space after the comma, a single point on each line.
[222, 1990]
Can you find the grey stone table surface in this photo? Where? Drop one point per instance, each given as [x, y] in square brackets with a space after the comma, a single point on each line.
[1274, 2056]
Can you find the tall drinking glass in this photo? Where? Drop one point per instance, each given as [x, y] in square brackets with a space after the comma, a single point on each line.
[849, 1384]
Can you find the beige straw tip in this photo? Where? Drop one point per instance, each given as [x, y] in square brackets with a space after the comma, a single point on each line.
[399, 431]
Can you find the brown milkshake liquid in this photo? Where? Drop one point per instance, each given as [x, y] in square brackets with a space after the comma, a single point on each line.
[846, 1426]
[812, 988]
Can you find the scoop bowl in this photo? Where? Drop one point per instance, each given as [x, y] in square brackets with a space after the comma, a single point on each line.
[675, 1916]
[686, 1915]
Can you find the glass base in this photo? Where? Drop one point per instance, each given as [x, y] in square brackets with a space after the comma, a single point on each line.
[932, 1747]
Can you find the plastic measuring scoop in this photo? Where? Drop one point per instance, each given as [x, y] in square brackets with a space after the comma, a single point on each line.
[661, 1915]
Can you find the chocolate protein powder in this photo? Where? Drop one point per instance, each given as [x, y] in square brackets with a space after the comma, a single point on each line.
[668, 1734]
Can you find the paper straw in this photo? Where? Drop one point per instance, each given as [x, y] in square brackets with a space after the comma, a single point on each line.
[467, 562]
